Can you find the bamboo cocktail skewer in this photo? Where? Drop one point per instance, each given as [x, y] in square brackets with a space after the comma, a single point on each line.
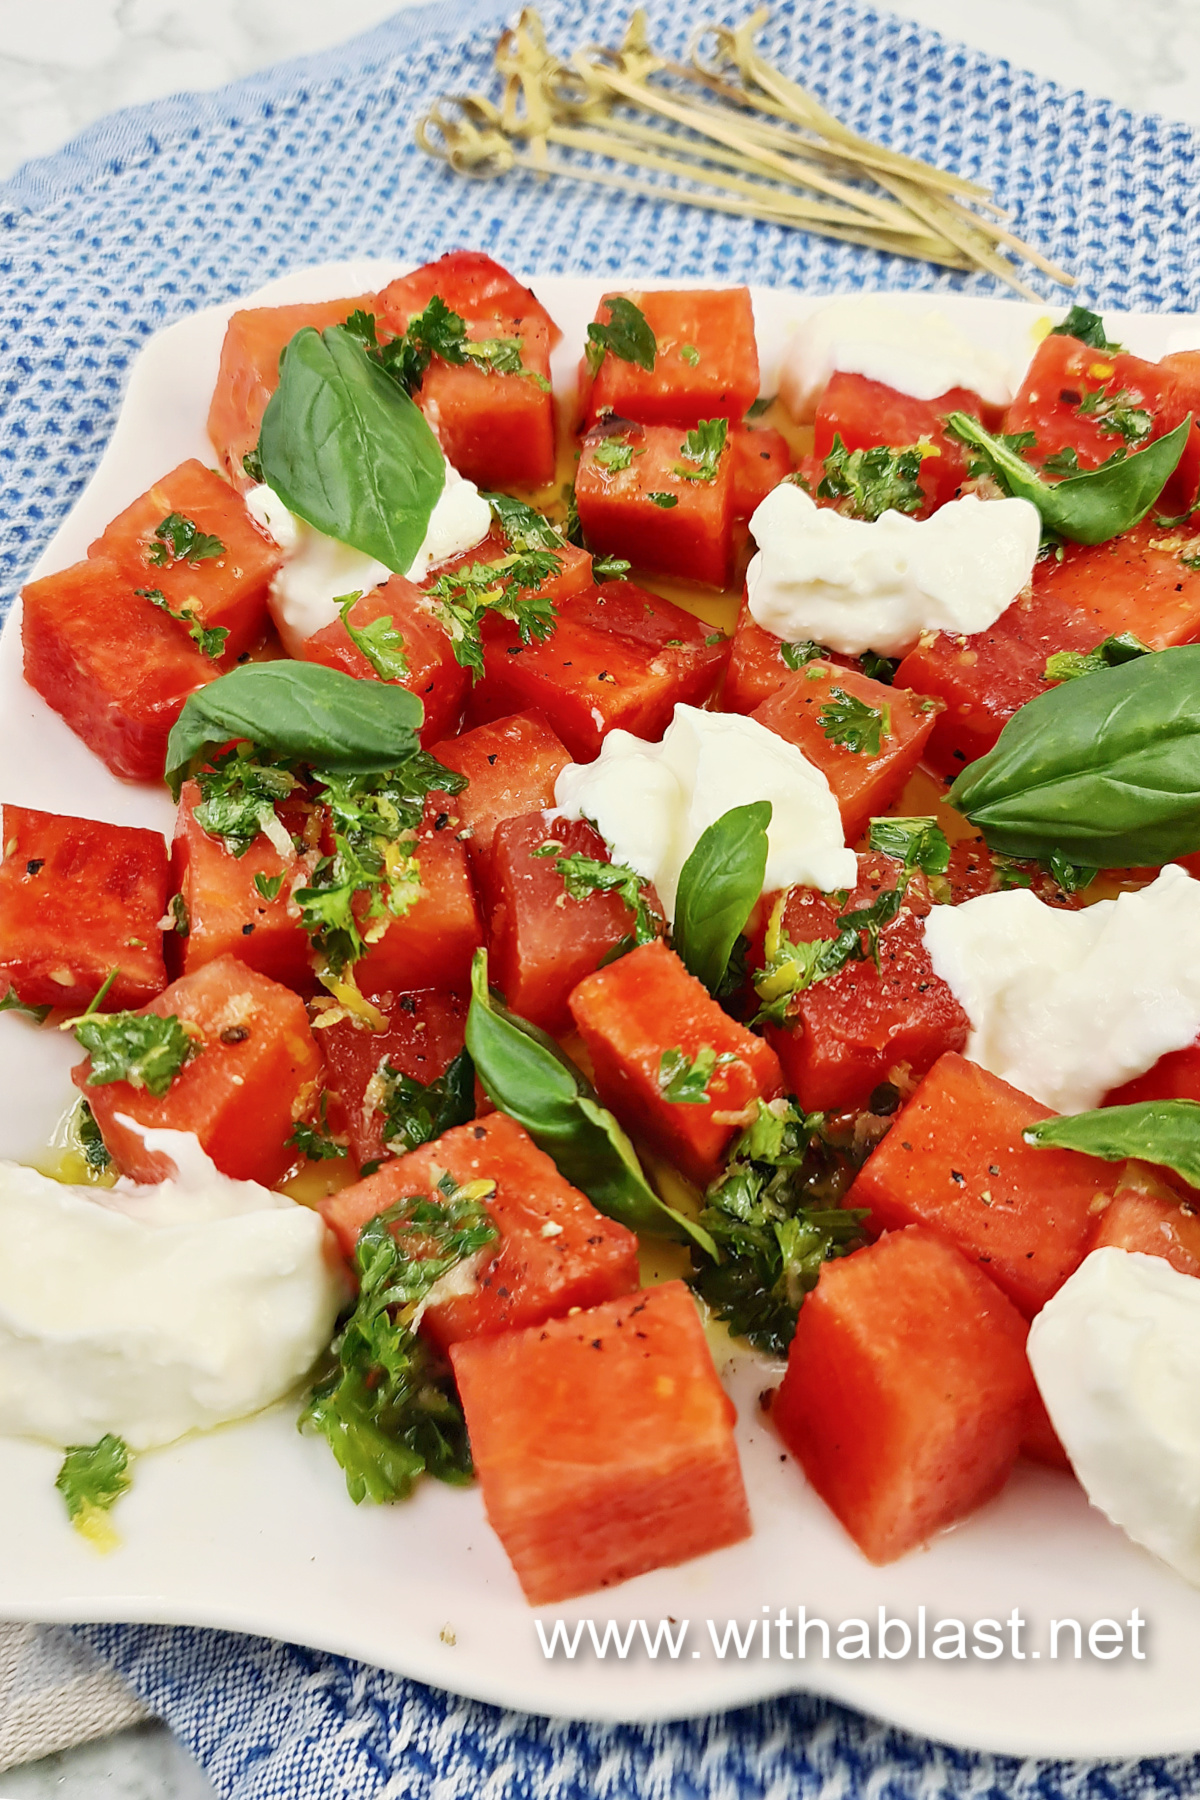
[767, 146]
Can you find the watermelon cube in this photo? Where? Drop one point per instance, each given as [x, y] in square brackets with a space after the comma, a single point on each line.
[423, 1036]
[640, 497]
[705, 364]
[255, 339]
[435, 676]
[227, 590]
[555, 1252]
[120, 687]
[252, 1077]
[620, 657]
[78, 900]
[866, 757]
[867, 1024]
[603, 1443]
[497, 430]
[907, 1390]
[228, 913]
[956, 1160]
[543, 941]
[511, 766]
[646, 1022]
[431, 945]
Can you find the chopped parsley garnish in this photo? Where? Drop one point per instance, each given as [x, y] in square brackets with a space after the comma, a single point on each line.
[775, 1218]
[145, 1049]
[690, 355]
[851, 723]
[918, 843]
[879, 668]
[91, 1481]
[316, 1140]
[613, 454]
[1113, 413]
[763, 404]
[437, 331]
[509, 587]
[610, 568]
[1062, 462]
[792, 968]
[177, 908]
[627, 336]
[10, 1003]
[796, 655]
[91, 1143]
[268, 886]
[584, 875]
[1087, 326]
[666, 501]
[238, 796]
[872, 482]
[372, 876]
[1069, 665]
[1071, 877]
[1017, 441]
[179, 539]
[378, 641]
[416, 1112]
[703, 447]
[684, 1079]
[524, 528]
[210, 639]
[572, 530]
[386, 1407]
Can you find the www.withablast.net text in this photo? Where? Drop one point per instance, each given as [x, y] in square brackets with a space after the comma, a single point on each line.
[783, 1635]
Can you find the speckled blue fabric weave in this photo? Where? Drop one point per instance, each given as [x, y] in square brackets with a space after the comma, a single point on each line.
[187, 202]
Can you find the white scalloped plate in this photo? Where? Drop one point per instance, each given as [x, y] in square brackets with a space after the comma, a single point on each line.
[249, 1528]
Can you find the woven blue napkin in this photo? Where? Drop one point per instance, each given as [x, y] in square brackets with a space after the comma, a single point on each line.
[168, 207]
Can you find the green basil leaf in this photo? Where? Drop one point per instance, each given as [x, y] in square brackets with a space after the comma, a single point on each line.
[302, 712]
[1088, 508]
[1166, 1132]
[718, 885]
[345, 448]
[527, 1076]
[1105, 771]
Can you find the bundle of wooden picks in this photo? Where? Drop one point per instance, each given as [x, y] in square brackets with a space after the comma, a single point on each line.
[732, 135]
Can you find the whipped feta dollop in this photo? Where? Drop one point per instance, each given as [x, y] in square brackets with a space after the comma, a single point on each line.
[1066, 1005]
[1115, 1354]
[318, 570]
[917, 353]
[156, 1310]
[651, 802]
[853, 585]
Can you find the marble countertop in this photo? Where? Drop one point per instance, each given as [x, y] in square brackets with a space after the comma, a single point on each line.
[64, 64]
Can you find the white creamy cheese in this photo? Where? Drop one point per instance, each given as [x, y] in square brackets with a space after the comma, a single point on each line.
[1115, 1354]
[1066, 1005]
[853, 585]
[651, 802]
[461, 519]
[318, 571]
[158, 1310]
[917, 353]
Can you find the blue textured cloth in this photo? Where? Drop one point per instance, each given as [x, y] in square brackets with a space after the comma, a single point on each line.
[180, 204]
